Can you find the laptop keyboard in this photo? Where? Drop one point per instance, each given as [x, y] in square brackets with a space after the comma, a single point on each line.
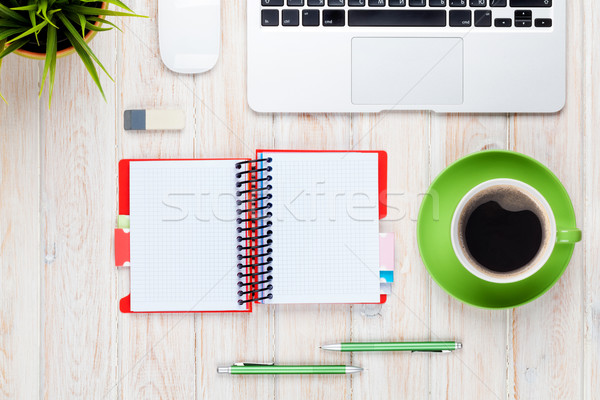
[405, 13]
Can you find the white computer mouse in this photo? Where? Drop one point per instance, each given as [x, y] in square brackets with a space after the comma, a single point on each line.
[189, 34]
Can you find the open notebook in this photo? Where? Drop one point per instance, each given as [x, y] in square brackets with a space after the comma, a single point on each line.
[288, 227]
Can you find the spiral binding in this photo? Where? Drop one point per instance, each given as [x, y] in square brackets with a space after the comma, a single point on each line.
[255, 254]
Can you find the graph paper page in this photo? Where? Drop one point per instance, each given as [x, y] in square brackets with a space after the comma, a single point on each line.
[183, 236]
[325, 227]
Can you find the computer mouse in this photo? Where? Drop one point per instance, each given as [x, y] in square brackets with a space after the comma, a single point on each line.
[189, 33]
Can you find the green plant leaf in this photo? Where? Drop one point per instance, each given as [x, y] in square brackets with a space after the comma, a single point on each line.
[8, 13]
[10, 32]
[95, 28]
[43, 10]
[32, 19]
[12, 47]
[104, 21]
[30, 7]
[114, 2]
[86, 22]
[9, 24]
[85, 58]
[81, 42]
[78, 20]
[82, 22]
[50, 63]
[28, 32]
[2, 44]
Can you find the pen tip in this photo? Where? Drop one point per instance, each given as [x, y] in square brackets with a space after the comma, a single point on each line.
[353, 369]
[458, 345]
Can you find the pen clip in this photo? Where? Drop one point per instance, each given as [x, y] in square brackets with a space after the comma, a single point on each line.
[430, 351]
[246, 364]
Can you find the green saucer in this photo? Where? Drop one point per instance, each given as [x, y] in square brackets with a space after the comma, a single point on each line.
[435, 216]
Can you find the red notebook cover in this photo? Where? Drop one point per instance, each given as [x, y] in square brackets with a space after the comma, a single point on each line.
[125, 303]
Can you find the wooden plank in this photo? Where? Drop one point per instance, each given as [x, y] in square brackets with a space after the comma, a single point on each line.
[478, 370]
[78, 198]
[301, 329]
[20, 259]
[591, 219]
[226, 127]
[547, 335]
[156, 351]
[405, 315]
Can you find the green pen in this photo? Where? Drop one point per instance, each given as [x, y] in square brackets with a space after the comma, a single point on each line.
[272, 369]
[395, 346]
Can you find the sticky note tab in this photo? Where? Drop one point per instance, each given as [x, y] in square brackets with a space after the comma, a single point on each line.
[386, 288]
[386, 276]
[386, 251]
[123, 222]
[122, 250]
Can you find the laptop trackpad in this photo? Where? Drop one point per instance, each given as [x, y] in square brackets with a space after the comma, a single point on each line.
[407, 71]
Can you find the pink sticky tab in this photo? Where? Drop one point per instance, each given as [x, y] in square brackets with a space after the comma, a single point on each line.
[386, 251]
[122, 247]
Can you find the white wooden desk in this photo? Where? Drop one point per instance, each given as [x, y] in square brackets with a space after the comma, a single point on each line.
[62, 337]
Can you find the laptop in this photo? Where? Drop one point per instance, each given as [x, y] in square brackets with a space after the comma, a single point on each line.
[376, 55]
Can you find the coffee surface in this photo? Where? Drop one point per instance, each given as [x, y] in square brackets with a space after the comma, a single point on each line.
[502, 240]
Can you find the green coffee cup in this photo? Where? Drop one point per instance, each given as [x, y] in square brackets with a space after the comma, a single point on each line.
[512, 178]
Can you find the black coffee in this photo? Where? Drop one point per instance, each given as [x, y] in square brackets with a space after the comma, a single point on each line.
[501, 240]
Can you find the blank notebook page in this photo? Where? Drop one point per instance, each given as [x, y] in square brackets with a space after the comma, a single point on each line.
[325, 227]
[183, 236]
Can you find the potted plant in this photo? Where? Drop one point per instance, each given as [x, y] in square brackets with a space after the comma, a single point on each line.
[49, 29]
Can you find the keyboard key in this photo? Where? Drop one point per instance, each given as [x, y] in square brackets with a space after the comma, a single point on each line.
[458, 3]
[427, 18]
[497, 3]
[295, 3]
[416, 3]
[523, 23]
[316, 3]
[523, 14]
[543, 23]
[503, 22]
[356, 3]
[478, 3]
[270, 18]
[376, 3]
[334, 18]
[437, 3]
[483, 18]
[397, 3]
[290, 17]
[310, 17]
[531, 3]
[336, 3]
[460, 18]
[272, 3]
